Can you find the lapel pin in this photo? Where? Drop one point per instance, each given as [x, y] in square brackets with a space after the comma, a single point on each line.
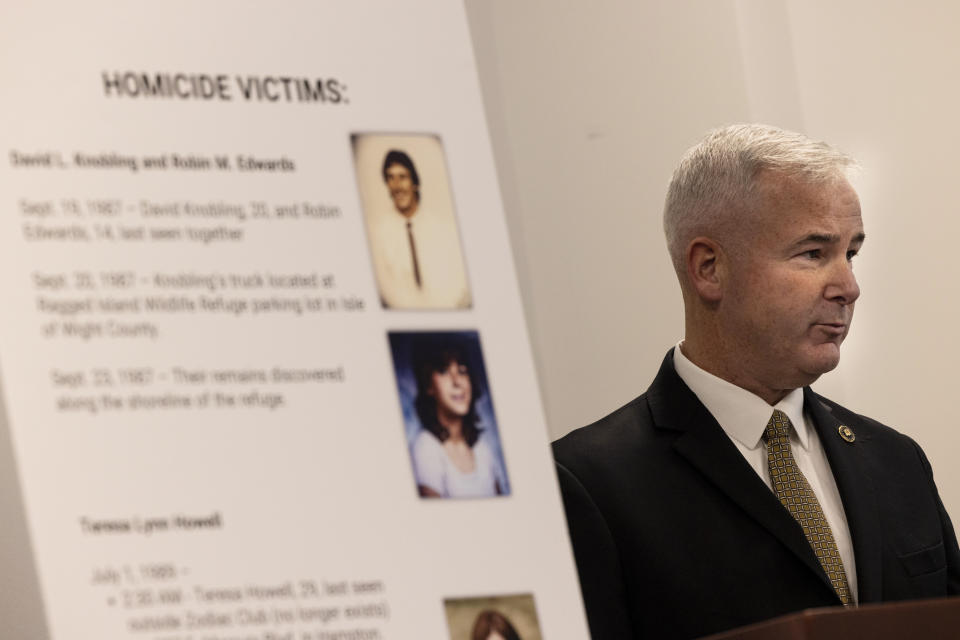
[846, 433]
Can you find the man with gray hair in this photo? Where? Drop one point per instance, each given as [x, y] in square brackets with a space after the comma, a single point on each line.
[730, 492]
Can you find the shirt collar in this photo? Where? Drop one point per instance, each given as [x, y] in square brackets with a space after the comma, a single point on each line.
[741, 414]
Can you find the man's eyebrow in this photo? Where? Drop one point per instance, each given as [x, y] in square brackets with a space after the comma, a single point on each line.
[827, 238]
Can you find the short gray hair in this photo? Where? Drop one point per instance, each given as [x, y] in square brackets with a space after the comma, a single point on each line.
[717, 177]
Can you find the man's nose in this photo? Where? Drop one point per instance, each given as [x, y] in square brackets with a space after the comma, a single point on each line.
[843, 287]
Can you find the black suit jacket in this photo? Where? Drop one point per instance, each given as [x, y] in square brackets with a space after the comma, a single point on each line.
[675, 535]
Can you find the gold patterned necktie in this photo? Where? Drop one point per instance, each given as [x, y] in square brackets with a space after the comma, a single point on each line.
[795, 494]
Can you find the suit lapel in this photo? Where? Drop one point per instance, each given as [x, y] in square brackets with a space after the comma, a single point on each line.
[705, 446]
[857, 493]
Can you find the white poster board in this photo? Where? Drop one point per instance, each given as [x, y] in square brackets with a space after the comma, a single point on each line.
[220, 339]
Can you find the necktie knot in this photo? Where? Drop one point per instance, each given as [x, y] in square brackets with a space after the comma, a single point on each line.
[778, 428]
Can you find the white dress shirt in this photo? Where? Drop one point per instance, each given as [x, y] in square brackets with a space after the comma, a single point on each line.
[443, 276]
[743, 416]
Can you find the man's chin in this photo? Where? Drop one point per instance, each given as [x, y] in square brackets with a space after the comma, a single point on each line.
[825, 359]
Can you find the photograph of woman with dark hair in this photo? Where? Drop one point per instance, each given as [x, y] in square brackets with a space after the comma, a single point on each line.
[455, 451]
[493, 625]
[499, 617]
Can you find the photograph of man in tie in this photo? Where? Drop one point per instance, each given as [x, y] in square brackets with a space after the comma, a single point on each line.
[730, 492]
[411, 227]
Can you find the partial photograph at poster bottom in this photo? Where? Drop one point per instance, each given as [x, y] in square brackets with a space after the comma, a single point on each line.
[505, 617]
[447, 409]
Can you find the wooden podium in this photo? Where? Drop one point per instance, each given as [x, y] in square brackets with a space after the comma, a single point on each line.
[917, 619]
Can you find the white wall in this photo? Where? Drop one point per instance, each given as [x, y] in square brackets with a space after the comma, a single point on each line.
[590, 106]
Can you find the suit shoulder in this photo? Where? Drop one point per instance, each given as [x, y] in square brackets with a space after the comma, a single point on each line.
[865, 426]
[607, 437]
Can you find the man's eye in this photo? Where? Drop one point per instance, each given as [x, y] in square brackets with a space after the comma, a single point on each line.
[851, 254]
[813, 254]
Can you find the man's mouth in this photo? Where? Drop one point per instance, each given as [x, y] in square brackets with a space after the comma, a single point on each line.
[833, 328]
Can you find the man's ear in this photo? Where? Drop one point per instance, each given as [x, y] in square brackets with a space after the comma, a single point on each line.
[705, 268]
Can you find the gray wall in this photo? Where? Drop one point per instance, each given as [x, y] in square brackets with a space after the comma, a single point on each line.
[591, 104]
